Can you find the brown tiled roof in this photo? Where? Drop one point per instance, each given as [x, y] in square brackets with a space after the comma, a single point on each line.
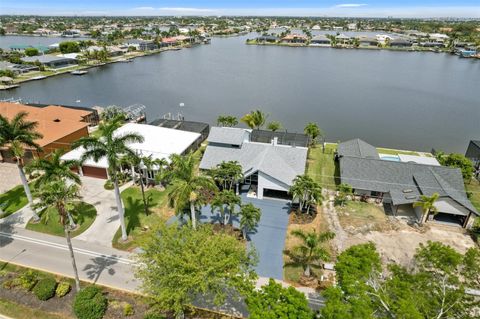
[54, 122]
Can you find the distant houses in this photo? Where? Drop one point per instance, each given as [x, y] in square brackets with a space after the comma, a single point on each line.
[51, 61]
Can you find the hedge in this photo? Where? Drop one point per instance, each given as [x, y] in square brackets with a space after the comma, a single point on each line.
[90, 303]
[45, 288]
[63, 288]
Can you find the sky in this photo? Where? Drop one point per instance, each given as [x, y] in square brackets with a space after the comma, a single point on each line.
[339, 8]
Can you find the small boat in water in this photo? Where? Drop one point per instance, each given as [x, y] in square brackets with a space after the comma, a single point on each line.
[79, 72]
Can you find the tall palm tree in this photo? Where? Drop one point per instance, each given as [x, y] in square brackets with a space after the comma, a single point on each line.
[310, 252]
[255, 119]
[274, 126]
[227, 120]
[249, 218]
[188, 189]
[112, 147]
[307, 191]
[225, 199]
[313, 131]
[58, 194]
[427, 203]
[19, 134]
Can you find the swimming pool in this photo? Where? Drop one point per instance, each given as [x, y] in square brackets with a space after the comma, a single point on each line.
[392, 158]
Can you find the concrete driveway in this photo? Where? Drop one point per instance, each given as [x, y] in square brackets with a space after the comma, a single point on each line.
[269, 238]
[9, 177]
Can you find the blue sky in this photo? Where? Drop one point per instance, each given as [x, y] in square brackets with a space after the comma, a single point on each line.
[400, 8]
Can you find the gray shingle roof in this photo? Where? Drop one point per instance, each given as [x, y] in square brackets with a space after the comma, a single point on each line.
[357, 148]
[283, 163]
[46, 58]
[227, 135]
[404, 181]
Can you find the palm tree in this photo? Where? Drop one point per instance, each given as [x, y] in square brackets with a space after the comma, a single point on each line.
[313, 131]
[227, 120]
[227, 174]
[58, 194]
[188, 189]
[274, 126]
[255, 119]
[307, 191]
[310, 252]
[225, 199]
[427, 203]
[249, 218]
[112, 147]
[17, 135]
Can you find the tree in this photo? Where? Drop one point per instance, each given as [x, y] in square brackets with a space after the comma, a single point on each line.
[188, 189]
[313, 132]
[112, 112]
[110, 146]
[459, 161]
[344, 190]
[58, 194]
[226, 199]
[310, 252]
[274, 126]
[249, 218]
[69, 47]
[227, 121]
[255, 119]
[427, 203]
[17, 135]
[307, 191]
[31, 51]
[227, 174]
[177, 266]
[54, 168]
[273, 301]
[471, 267]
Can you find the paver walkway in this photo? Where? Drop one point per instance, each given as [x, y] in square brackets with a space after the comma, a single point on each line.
[106, 224]
[9, 177]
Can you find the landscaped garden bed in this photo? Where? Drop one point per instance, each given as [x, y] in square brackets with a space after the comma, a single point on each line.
[83, 215]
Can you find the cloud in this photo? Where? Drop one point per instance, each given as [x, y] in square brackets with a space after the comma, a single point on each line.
[351, 5]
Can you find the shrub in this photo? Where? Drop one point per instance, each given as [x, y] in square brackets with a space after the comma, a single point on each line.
[8, 284]
[108, 185]
[63, 288]
[45, 288]
[128, 310]
[153, 315]
[90, 303]
[28, 279]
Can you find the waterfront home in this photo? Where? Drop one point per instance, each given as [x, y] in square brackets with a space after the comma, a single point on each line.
[17, 68]
[432, 44]
[141, 45]
[21, 48]
[59, 125]
[189, 126]
[268, 168]
[438, 37]
[169, 42]
[51, 61]
[71, 34]
[342, 39]
[400, 43]
[383, 38]
[368, 42]
[473, 153]
[401, 183]
[267, 39]
[159, 143]
[294, 39]
[321, 40]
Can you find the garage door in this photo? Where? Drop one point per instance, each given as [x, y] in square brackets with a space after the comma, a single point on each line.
[96, 172]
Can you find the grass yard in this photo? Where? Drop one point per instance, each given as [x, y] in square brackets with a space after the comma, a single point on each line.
[138, 224]
[83, 215]
[12, 200]
[321, 165]
[292, 273]
[391, 151]
[357, 216]
[15, 310]
[474, 188]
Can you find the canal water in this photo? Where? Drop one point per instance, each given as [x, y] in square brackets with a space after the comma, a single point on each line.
[391, 99]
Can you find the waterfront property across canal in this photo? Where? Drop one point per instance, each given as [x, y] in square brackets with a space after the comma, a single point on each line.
[405, 100]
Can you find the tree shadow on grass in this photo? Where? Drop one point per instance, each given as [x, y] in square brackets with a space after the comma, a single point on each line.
[133, 210]
[99, 265]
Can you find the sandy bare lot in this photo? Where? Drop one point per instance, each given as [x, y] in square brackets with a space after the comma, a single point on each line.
[399, 246]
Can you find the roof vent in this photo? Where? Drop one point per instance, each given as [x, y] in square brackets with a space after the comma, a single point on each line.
[56, 120]
[410, 197]
[408, 190]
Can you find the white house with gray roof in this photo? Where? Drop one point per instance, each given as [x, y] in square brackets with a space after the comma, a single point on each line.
[268, 168]
[400, 184]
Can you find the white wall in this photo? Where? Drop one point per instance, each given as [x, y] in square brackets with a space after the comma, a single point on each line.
[265, 181]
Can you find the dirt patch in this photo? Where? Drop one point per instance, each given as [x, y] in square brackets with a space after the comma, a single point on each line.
[300, 218]
[229, 230]
[399, 246]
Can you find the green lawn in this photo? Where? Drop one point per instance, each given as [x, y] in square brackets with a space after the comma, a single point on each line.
[15, 310]
[474, 188]
[321, 165]
[138, 224]
[13, 200]
[83, 214]
[391, 151]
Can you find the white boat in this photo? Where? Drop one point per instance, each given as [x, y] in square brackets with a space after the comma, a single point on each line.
[79, 72]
